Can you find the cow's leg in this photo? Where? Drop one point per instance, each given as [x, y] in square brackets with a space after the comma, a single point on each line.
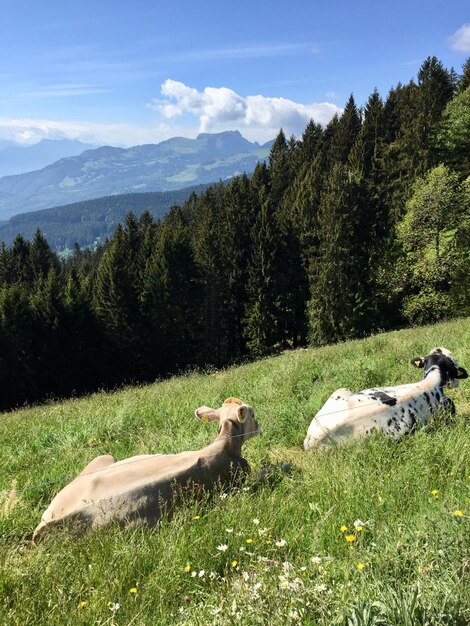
[105, 460]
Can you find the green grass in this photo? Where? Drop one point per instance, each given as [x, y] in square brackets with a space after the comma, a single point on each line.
[298, 568]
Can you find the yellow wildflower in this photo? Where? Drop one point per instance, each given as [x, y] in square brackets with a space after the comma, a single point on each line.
[458, 513]
[197, 517]
[234, 563]
[343, 528]
[360, 566]
[249, 541]
[133, 590]
[434, 492]
[83, 604]
[345, 491]
[187, 568]
[350, 538]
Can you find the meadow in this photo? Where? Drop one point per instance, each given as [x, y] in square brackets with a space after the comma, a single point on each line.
[375, 531]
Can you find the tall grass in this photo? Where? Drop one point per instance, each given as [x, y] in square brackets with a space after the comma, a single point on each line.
[282, 551]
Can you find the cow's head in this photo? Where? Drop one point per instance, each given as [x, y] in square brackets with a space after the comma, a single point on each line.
[233, 409]
[451, 373]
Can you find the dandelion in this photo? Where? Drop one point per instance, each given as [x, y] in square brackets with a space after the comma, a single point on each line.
[234, 563]
[343, 528]
[83, 604]
[256, 521]
[249, 541]
[223, 547]
[350, 538]
[435, 492]
[458, 513]
[280, 543]
[360, 566]
[187, 568]
[197, 517]
[133, 590]
[345, 491]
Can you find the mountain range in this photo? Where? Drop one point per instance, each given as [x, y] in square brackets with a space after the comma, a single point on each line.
[172, 164]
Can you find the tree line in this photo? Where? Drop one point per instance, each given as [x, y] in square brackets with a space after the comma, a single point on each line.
[359, 226]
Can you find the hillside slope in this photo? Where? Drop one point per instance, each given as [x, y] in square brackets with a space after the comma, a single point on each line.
[91, 221]
[169, 165]
[275, 553]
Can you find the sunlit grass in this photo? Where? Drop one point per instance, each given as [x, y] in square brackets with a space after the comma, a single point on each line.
[374, 532]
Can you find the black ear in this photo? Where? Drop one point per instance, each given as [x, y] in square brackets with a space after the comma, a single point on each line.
[418, 361]
[461, 373]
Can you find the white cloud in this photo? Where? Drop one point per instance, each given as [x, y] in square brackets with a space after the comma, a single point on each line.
[185, 112]
[460, 40]
[256, 117]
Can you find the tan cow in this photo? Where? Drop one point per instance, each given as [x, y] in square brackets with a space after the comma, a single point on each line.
[142, 488]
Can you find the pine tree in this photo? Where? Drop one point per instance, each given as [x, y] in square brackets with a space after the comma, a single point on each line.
[435, 89]
[262, 307]
[170, 300]
[338, 308]
[464, 81]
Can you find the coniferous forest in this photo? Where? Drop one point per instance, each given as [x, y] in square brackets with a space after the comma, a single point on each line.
[356, 227]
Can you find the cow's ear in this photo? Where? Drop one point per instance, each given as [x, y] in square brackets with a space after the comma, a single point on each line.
[461, 373]
[243, 412]
[206, 414]
[418, 361]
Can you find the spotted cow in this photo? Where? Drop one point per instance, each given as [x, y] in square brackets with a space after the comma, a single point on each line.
[393, 410]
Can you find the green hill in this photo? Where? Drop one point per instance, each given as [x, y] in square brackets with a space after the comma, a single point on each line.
[287, 560]
[91, 221]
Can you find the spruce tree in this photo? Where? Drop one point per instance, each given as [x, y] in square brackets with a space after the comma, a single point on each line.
[339, 306]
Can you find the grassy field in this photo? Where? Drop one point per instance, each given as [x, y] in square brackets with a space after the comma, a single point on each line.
[284, 551]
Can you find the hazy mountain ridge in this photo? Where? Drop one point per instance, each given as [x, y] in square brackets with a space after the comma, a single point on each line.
[172, 164]
[16, 159]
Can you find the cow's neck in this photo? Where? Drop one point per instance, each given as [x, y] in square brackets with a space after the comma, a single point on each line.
[229, 438]
[432, 379]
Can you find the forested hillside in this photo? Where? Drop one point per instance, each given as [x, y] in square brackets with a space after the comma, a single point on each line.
[358, 226]
[91, 222]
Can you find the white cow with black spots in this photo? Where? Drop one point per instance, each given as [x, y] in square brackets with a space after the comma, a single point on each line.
[393, 410]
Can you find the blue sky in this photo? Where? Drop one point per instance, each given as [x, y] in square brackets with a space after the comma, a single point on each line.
[128, 72]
